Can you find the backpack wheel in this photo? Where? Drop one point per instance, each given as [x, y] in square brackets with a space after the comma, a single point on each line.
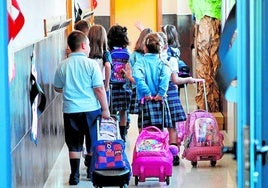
[136, 180]
[194, 164]
[213, 163]
[167, 180]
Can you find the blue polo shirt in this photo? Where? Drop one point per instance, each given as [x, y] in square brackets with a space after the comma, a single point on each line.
[78, 76]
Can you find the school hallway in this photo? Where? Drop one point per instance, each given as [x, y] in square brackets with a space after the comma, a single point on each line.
[223, 175]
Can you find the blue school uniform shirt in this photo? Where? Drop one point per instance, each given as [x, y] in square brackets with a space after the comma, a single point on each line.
[134, 57]
[77, 76]
[151, 75]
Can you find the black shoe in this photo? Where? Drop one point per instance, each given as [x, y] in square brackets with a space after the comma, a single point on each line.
[176, 160]
[123, 132]
[87, 160]
[127, 127]
[74, 179]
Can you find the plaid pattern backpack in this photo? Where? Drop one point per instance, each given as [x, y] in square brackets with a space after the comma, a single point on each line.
[109, 152]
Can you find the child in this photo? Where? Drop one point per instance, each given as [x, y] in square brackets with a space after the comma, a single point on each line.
[172, 40]
[120, 92]
[135, 55]
[98, 51]
[174, 51]
[176, 109]
[152, 76]
[79, 79]
[81, 25]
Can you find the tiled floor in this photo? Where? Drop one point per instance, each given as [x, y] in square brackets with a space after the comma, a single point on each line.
[204, 176]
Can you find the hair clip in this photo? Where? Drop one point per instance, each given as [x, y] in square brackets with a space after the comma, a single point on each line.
[124, 29]
[147, 41]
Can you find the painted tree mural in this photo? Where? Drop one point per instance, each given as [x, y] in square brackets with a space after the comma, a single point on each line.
[207, 38]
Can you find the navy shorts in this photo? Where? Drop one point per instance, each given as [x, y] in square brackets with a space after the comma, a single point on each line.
[79, 126]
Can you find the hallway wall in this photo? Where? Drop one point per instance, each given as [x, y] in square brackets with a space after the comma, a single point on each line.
[32, 163]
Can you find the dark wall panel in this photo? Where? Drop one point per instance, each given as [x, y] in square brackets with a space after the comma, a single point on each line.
[103, 20]
[185, 25]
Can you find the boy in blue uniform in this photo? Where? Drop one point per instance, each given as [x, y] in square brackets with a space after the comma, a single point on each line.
[79, 79]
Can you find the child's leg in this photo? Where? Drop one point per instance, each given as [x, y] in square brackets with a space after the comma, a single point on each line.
[75, 164]
[128, 122]
[173, 140]
[173, 137]
[123, 123]
[74, 140]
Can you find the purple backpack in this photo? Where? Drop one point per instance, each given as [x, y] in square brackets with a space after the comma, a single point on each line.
[120, 57]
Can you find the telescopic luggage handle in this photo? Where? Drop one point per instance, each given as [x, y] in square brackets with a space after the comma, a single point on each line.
[205, 94]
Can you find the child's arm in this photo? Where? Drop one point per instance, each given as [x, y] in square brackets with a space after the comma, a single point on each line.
[128, 73]
[107, 59]
[107, 66]
[139, 25]
[101, 96]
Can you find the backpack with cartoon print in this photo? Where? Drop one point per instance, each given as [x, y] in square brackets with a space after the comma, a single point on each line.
[120, 57]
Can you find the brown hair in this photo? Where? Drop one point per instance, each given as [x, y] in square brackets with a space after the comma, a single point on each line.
[75, 39]
[153, 43]
[172, 35]
[82, 25]
[98, 41]
[139, 47]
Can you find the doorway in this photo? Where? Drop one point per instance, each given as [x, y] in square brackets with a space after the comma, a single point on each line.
[147, 12]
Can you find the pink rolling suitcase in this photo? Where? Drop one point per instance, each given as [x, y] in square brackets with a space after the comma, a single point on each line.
[152, 157]
[203, 141]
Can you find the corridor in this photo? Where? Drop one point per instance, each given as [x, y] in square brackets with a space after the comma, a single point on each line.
[204, 176]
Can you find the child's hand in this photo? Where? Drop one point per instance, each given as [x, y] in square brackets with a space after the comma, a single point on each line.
[148, 98]
[192, 80]
[139, 25]
[158, 98]
[127, 71]
[105, 114]
[68, 51]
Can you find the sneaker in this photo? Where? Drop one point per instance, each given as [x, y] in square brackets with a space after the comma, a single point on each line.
[74, 179]
[176, 160]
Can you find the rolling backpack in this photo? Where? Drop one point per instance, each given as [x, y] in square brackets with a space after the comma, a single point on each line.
[110, 164]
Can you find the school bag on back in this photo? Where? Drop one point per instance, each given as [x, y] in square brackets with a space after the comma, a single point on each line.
[120, 57]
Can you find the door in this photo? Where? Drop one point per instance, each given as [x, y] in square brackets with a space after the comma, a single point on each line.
[252, 134]
[127, 13]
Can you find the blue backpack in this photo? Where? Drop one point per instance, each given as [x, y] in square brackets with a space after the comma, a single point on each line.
[120, 57]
